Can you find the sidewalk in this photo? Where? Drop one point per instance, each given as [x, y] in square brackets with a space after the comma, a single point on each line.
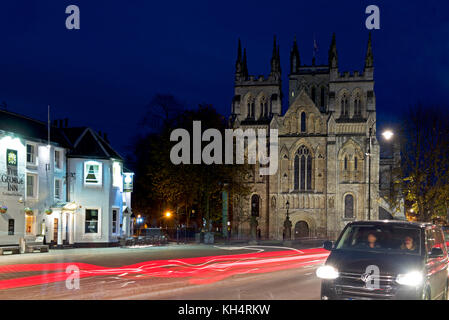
[297, 244]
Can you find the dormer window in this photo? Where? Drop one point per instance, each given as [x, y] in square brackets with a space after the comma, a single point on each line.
[93, 173]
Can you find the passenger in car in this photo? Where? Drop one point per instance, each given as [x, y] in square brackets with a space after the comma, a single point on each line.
[408, 244]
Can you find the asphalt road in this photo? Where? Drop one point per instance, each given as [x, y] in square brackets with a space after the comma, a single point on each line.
[185, 273]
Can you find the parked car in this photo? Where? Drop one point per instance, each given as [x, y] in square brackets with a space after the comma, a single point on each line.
[151, 236]
[386, 260]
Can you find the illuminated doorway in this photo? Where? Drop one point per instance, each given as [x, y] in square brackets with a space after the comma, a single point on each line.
[29, 225]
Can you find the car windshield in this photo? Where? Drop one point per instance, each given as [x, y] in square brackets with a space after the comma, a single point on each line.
[383, 238]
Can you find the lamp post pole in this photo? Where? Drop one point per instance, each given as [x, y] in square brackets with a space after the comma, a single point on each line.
[287, 225]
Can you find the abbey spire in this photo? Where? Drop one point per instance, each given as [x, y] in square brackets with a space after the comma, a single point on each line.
[275, 61]
[295, 61]
[369, 59]
[245, 65]
[333, 55]
[241, 67]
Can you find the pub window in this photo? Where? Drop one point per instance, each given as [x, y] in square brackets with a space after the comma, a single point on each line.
[10, 227]
[92, 173]
[57, 159]
[31, 154]
[57, 188]
[31, 185]
[91, 225]
[349, 207]
[114, 220]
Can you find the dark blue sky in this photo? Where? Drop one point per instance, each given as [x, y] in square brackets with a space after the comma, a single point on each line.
[105, 74]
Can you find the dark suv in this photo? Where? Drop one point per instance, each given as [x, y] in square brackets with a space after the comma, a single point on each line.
[386, 260]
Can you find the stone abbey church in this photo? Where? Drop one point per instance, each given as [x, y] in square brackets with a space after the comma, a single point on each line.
[323, 144]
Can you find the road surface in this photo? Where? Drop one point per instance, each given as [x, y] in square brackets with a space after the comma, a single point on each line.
[190, 272]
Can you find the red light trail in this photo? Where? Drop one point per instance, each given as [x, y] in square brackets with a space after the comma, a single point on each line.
[201, 270]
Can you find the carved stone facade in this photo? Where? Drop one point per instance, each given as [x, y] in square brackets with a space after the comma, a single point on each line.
[323, 144]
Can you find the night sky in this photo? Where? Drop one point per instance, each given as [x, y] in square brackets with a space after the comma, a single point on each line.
[105, 74]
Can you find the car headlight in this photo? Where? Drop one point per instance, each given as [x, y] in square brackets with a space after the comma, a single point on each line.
[414, 278]
[327, 272]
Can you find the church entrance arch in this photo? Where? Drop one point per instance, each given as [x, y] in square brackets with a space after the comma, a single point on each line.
[301, 230]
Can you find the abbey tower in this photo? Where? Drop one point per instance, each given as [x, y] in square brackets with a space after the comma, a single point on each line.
[323, 144]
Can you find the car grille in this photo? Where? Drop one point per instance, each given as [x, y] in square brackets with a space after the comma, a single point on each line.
[350, 285]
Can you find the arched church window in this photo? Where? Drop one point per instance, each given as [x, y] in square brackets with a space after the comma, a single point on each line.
[296, 173]
[313, 95]
[303, 122]
[357, 107]
[356, 165]
[349, 207]
[255, 205]
[344, 106]
[346, 163]
[309, 172]
[323, 98]
[303, 170]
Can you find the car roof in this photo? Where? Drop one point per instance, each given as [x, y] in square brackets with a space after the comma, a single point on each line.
[395, 222]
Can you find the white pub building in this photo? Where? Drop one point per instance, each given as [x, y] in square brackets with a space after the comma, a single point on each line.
[72, 188]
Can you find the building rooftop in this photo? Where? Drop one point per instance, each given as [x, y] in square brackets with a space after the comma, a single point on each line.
[82, 142]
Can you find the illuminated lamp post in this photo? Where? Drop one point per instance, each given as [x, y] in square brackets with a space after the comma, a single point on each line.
[388, 135]
[287, 224]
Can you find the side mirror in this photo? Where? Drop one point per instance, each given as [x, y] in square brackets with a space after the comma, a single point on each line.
[328, 245]
[436, 253]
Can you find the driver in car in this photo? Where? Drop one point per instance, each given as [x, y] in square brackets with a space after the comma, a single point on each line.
[372, 242]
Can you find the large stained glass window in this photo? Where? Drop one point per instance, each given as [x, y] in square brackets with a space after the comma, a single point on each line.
[303, 170]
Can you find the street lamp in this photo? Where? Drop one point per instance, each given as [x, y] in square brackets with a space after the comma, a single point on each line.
[388, 135]
[287, 224]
